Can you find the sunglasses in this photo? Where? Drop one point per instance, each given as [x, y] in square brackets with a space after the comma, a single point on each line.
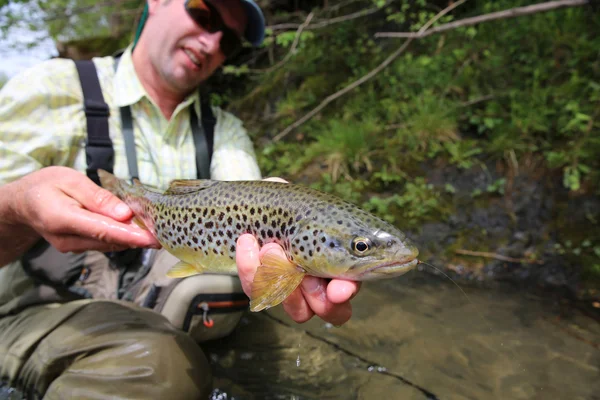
[205, 15]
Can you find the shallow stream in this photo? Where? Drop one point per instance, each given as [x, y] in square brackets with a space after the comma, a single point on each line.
[417, 337]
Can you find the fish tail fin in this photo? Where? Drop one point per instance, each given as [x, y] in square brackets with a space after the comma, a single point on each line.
[110, 182]
[118, 187]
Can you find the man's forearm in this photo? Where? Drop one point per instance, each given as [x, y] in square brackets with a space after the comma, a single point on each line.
[15, 237]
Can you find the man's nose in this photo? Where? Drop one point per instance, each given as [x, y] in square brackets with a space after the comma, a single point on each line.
[211, 41]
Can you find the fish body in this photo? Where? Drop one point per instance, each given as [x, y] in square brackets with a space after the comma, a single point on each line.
[199, 221]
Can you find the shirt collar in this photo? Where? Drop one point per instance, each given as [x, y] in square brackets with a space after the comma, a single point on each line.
[127, 87]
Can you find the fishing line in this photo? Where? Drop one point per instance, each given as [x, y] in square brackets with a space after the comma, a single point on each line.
[459, 288]
[372, 366]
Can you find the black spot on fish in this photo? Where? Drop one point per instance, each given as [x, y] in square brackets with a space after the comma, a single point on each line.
[229, 220]
[209, 224]
[273, 224]
[203, 242]
[213, 212]
[340, 222]
[257, 225]
[310, 253]
[302, 248]
[185, 219]
[292, 230]
[221, 216]
[229, 234]
[318, 249]
[270, 233]
[195, 239]
[218, 242]
[263, 233]
[232, 249]
[192, 224]
[252, 211]
[323, 240]
[265, 219]
[209, 238]
[215, 251]
[331, 244]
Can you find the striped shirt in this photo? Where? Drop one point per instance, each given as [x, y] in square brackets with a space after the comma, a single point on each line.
[42, 123]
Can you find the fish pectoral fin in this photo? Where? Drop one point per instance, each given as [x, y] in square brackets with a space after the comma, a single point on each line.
[183, 186]
[183, 270]
[273, 282]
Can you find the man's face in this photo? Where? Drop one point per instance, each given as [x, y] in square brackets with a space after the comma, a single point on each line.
[182, 52]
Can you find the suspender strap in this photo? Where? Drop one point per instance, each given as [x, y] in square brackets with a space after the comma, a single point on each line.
[203, 137]
[127, 128]
[99, 151]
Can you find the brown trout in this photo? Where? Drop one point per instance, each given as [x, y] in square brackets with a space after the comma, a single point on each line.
[199, 221]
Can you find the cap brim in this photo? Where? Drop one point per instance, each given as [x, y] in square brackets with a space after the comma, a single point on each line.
[255, 31]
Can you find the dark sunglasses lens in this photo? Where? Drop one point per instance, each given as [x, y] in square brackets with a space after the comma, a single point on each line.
[202, 14]
[208, 18]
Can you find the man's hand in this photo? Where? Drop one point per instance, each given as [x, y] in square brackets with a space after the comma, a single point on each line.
[68, 210]
[330, 301]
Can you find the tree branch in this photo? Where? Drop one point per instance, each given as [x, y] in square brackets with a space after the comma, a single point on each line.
[495, 256]
[292, 49]
[331, 21]
[365, 78]
[511, 13]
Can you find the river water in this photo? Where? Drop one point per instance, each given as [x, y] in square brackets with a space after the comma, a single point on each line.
[416, 337]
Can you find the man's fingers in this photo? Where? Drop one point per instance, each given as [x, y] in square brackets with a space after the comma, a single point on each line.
[247, 260]
[97, 199]
[339, 291]
[77, 244]
[297, 307]
[316, 295]
[275, 179]
[85, 224]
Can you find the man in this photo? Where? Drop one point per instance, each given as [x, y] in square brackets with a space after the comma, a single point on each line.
[100, 348]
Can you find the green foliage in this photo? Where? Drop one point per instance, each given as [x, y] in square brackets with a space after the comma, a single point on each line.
[418, 202]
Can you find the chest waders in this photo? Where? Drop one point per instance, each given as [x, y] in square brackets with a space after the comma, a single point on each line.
[205, 306]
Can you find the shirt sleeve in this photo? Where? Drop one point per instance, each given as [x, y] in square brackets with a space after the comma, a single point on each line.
[233, 153]
[41, 119]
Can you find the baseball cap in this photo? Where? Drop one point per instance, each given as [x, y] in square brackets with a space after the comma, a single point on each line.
[255, 30]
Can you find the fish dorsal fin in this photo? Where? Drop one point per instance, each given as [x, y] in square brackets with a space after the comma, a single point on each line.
[183, 186]
[274, 281]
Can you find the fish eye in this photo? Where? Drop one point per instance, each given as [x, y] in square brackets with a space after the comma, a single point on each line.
[361, 246]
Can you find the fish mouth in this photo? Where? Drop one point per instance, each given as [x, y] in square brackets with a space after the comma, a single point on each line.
[390, 268]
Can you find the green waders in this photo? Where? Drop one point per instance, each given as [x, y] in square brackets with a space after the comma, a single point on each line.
[54, 347]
